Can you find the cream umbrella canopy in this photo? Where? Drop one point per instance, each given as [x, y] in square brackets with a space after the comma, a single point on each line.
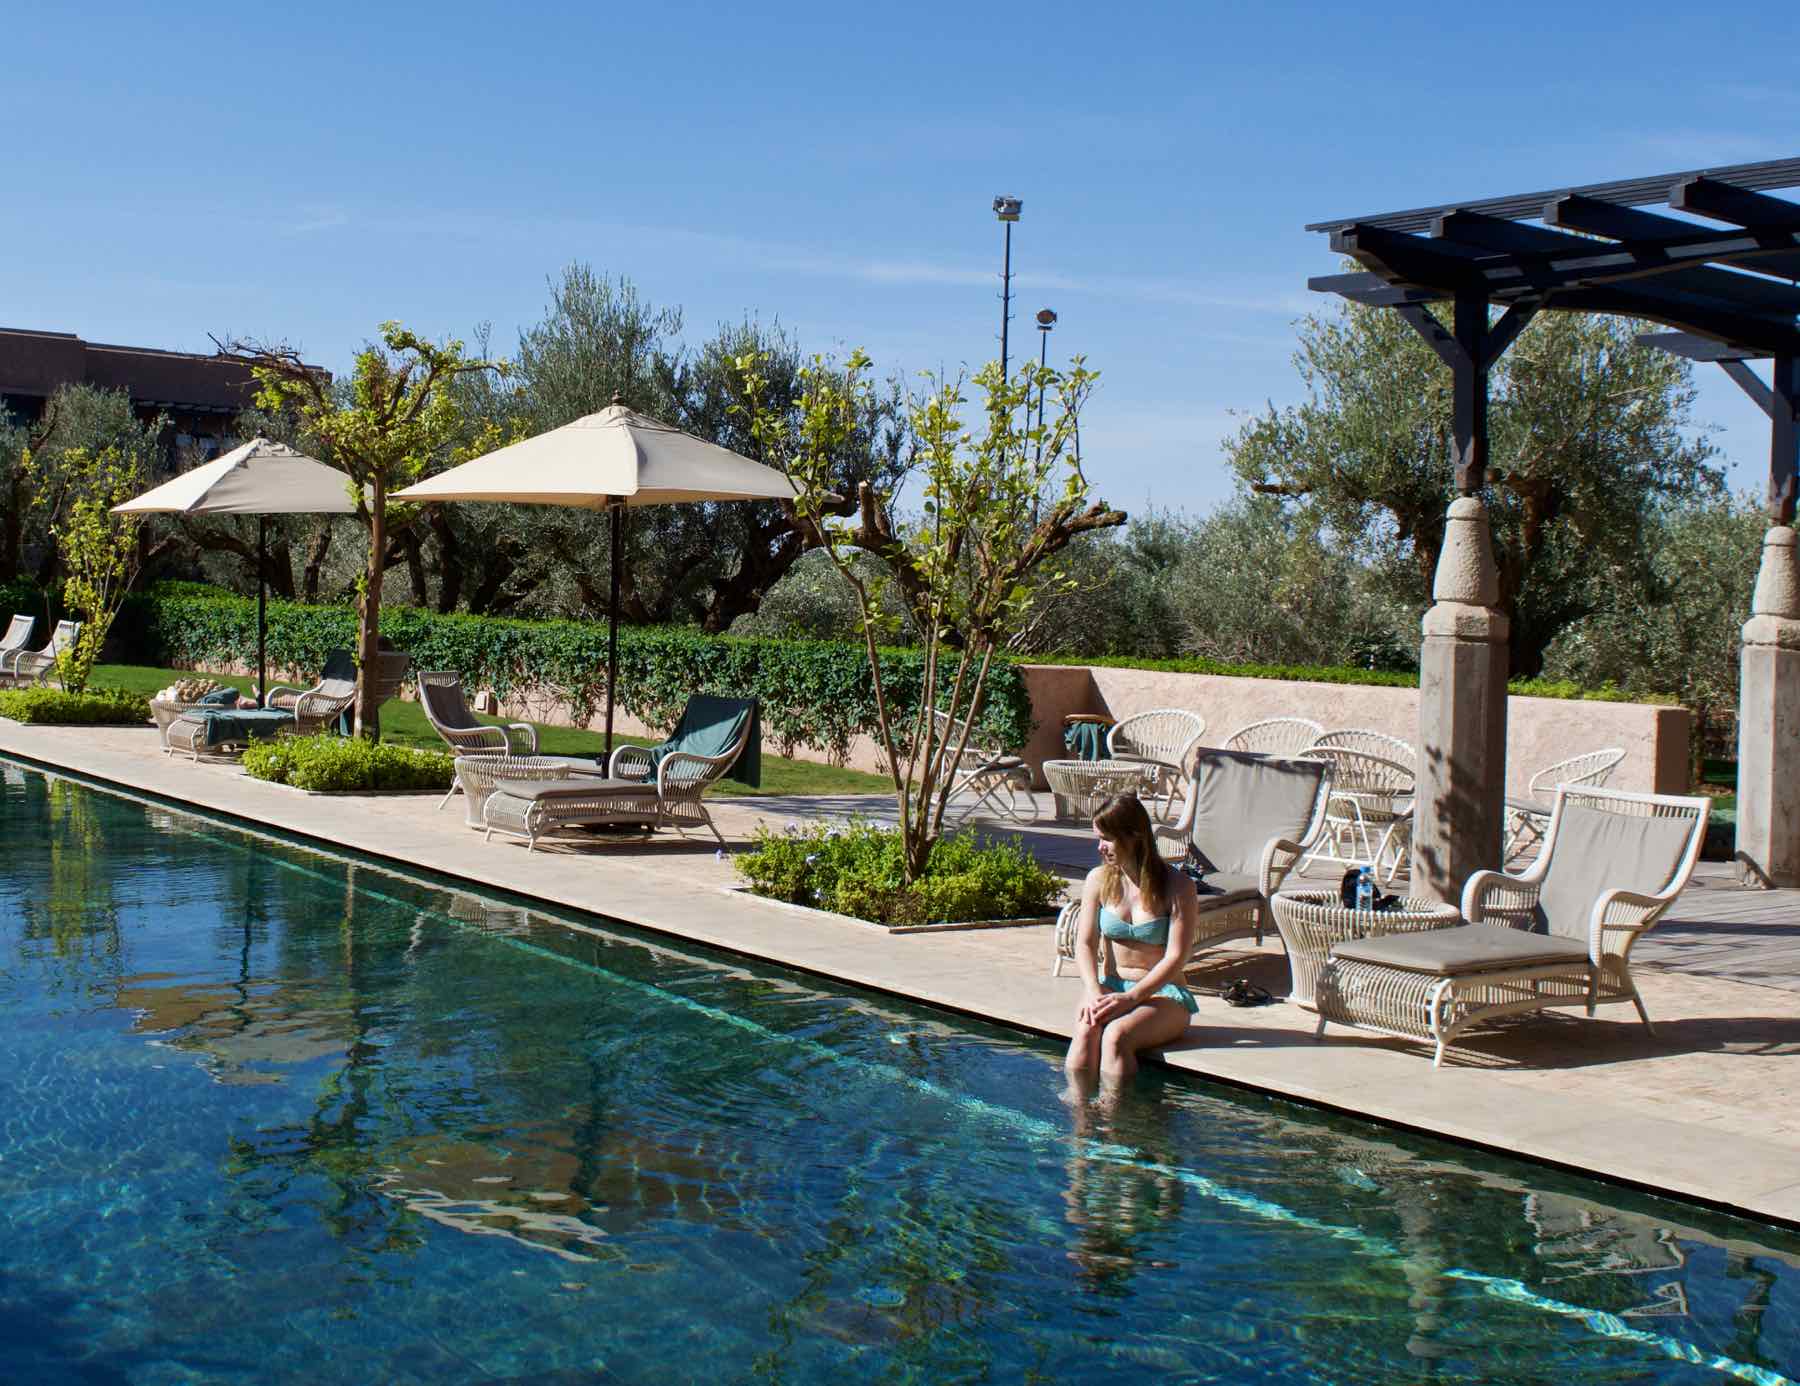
[609, 461]
[260, 478]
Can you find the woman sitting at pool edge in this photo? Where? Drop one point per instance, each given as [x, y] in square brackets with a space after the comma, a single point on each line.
[1143, 913]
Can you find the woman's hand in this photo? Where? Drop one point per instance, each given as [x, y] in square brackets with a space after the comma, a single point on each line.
[1107, 1005]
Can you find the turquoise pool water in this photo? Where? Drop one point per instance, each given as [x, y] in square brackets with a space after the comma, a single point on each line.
[270, 1115]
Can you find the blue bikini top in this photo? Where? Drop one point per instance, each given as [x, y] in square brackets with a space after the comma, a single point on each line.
[1151, 931]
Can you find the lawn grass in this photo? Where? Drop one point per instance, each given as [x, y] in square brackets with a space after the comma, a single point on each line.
[404, 724]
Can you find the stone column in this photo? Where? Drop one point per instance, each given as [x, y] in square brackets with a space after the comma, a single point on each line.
[1768, 804]
[1459, 817]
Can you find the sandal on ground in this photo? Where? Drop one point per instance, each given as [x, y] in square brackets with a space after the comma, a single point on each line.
[1238, 992]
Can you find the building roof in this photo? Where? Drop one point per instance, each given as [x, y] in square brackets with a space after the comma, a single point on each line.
[37, 363]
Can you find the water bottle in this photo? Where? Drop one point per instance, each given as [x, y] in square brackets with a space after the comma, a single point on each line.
[1365, 889]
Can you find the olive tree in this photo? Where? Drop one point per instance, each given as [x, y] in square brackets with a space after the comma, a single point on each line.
[1589, 432]
[397, 415]
[995, 511]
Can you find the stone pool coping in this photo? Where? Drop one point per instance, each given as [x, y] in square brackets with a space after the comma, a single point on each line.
[1708, 1109]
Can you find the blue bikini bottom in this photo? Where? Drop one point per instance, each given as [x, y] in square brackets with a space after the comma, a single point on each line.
[1172, 990]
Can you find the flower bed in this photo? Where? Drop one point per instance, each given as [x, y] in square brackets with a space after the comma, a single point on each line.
[338, 765]
[111, 707]
[856, 870]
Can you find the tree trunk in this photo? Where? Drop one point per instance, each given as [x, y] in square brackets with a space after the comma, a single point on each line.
[368, 707]
[12, 538]
[315, 563]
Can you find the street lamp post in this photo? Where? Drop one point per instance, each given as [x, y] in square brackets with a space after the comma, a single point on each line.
[1046, 319]
[1007, 210]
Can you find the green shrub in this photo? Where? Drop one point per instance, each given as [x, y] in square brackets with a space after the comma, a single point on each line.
[857, 870]
[1380, 678]
[814, 693]
[96, 707]
[327, 763]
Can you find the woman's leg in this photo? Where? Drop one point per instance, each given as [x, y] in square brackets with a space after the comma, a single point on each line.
[1161, 1020]
[1084, 1051]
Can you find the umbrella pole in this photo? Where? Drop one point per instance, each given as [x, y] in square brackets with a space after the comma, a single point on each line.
[612, 622]
[262, 610]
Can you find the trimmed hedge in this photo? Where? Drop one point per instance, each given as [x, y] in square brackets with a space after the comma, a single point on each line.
[107, 707]
[857, 870]
[346, 764]
[1379, 678]
[813, 692]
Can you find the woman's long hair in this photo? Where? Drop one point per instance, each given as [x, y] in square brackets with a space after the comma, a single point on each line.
[1124, 819]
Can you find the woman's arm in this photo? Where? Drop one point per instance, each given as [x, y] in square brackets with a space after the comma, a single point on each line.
[1087, 936]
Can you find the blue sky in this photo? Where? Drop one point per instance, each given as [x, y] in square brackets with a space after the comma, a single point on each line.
[306, 173]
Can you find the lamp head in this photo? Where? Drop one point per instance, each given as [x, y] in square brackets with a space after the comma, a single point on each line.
[1046, 319]
[1007, 208]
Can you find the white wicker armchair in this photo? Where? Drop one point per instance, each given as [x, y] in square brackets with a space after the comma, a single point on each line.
[1275, 736]
[1370, 742]
[1162, 740]
[1527, 818]
[1369, 821]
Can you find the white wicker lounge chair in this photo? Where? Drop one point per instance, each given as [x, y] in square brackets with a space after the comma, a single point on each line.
[21, 666]
[17, 637]
[1162, 739]
[986, 775]
[714, 735]
[1247, 821]
[1558, 934]
[1370, 814]
[327, 700]
[1527, 818]
[1275, 736]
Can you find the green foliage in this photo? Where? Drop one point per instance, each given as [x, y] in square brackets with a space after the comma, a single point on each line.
[327, 764]
[860, 870]
[1678, 630]
[813, 693]
[99, 549]
[1589, 433]
[107, 707]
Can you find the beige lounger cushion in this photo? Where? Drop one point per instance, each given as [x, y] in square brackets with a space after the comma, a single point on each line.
[1244, 800]
[1598, 851]
[1222, 891]
[1465, 948]
[539, 791]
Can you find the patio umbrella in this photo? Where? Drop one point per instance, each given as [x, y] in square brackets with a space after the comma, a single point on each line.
[260, 478]
[607, 461]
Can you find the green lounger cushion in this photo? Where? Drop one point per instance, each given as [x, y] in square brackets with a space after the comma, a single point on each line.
[1463, 949]
[708, 727]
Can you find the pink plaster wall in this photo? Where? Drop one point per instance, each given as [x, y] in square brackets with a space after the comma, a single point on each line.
[1540, 731]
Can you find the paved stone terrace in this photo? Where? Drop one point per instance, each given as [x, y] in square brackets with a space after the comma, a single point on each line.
[1708, 1107]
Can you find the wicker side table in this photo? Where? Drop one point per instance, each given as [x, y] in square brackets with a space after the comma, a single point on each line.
[1081, 786]
[1311, 921]
[166, 713]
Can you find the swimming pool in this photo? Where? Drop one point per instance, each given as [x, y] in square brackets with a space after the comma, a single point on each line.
[266, 1113]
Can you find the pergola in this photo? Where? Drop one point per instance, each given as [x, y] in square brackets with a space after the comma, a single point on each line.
[1726, 277]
